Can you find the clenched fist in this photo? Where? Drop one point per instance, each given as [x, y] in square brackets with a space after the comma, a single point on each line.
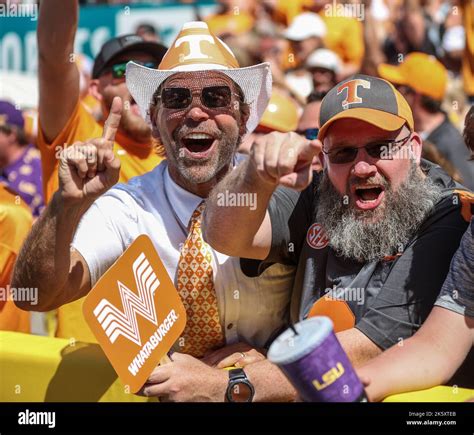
[89, 169]
[285, 159]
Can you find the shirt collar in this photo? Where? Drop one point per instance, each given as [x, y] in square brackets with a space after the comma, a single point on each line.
[182, 201]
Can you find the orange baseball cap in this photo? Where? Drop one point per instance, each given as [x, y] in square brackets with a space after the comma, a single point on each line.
[369, 99]
[281, 113]
[421, 72]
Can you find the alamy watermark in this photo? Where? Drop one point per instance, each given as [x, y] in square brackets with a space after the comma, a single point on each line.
[20, 294]
[240, 199]
[11, 9]
[347, 294]
[45, 418]
[396, 152]
[352, 10]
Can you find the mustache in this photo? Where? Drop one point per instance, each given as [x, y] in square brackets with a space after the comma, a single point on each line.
[184, 130]
[378, 180]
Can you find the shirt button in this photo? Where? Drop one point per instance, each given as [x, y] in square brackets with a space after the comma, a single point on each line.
[230, 326]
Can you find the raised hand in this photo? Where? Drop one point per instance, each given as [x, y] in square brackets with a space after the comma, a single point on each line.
[285, 159]
[89, 169]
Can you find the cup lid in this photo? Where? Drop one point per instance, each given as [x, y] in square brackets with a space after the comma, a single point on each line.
[290, 347]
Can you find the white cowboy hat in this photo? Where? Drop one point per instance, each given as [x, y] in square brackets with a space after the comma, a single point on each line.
[197, 49]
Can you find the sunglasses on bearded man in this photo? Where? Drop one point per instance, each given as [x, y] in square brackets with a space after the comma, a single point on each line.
[383, 150]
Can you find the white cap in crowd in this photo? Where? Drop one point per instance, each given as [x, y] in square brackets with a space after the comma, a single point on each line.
[304, 26]
[324, 58]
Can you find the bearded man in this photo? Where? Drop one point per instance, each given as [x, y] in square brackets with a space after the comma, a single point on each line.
[200, 104]
[372, 236]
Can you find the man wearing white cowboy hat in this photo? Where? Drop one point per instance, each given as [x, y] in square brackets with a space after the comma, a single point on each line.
[200, 104]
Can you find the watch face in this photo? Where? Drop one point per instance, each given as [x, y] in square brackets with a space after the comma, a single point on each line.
[241, 392]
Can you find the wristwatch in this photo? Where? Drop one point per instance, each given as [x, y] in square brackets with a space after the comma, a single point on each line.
[239, 389]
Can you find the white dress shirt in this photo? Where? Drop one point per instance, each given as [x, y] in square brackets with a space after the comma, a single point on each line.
[251, 309]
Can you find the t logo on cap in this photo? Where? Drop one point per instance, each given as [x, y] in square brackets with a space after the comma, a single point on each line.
[194, 42]
[352, 86]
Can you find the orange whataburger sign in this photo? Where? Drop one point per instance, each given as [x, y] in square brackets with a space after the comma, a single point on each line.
[135, 312]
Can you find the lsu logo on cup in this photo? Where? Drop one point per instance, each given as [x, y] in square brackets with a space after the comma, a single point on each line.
[135, 312]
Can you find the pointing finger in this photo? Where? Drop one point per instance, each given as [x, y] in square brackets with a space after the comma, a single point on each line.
[113, 120]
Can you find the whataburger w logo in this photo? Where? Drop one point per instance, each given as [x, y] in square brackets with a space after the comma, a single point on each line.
[116, 322]
[135, 312]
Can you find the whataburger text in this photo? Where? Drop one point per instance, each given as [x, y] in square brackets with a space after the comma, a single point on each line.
[152, 342]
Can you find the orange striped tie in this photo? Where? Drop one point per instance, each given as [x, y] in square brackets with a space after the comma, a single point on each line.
[203, 331]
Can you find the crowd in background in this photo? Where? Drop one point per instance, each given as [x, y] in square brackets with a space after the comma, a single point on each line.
[424, 47]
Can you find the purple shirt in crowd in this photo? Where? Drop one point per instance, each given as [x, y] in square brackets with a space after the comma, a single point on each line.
[24, 176]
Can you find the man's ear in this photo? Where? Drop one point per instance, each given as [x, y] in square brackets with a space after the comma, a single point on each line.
[94, 89]
[416, 145]
[152, 112]
[244, 117]
[322, 159]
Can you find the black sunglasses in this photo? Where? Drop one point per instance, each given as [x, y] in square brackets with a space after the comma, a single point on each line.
[309, 133]
[213, 97]
[118, 70]
[381, 150]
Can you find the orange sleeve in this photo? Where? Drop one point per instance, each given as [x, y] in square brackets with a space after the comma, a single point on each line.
[11, 317]
[15, 223]
[80, 127]
[7, 260]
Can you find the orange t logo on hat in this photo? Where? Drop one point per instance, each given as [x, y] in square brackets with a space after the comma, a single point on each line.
[369, 99]
[351, 86]
[194, 46]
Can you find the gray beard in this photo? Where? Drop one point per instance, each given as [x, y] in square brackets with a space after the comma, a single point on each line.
[403, 211]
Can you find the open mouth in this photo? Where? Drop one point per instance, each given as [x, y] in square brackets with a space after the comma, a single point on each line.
[198, 144]
[368, 197]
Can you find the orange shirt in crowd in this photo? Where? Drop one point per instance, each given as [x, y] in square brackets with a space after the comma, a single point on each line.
[290, 9]
[468, 58]
[136, 159]
[15, 224]
[345, 37]
[230, 23]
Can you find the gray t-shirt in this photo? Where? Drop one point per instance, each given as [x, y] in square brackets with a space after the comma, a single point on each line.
[386, 300]
[457, 293]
